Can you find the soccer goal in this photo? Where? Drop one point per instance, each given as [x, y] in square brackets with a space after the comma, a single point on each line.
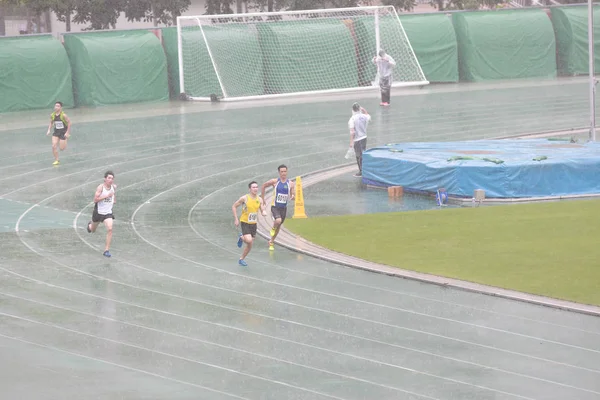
[265, 55]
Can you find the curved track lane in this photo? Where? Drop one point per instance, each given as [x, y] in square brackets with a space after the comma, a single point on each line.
[172, 314]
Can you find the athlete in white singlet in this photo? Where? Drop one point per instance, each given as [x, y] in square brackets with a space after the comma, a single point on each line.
[104, 200]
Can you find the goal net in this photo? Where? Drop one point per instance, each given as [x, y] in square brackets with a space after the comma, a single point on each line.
[258, 55]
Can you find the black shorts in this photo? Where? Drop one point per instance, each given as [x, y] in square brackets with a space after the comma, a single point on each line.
[248, 229]
[100, 218]
[60, 135]
[279, 212]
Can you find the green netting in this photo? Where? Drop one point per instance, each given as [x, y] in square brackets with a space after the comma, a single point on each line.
[237, 57]
[199, 75]
[169, 40]
[505, 44]
[434, 42]
[571, 30]
[117, 67]
[302, 56]
[394, 41]
[363, 30]
[34, 73]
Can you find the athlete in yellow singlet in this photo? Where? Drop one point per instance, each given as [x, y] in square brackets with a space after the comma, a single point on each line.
[251, 204]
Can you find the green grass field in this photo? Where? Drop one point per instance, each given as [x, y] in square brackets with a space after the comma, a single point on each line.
[550, 249]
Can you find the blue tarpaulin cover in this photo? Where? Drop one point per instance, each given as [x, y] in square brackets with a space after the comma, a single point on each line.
[514, 168]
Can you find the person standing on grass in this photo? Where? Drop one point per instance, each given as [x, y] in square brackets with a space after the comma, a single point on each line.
[358, 124]
[283, 192]
[104, 200]
[251, 203]
[385, 65]
[62, 130]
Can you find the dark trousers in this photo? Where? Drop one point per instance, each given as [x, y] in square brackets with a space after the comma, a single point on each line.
[359, 147]
[385, 85]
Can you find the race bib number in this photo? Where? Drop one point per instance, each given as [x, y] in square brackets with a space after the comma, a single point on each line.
[59, 125]
[252, 217]
[281, 198]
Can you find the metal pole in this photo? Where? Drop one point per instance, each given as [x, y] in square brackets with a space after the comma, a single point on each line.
[591, 71]
[377, 40]
[180, 56]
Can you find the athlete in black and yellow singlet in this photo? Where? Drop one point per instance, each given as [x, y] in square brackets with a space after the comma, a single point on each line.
[62, 130]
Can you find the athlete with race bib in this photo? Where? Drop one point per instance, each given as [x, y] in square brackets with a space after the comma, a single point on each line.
[251, 204]
[62, 130]
[104, 200]
[283, 192]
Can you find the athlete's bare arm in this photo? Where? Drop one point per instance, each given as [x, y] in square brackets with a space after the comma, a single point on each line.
[262, 207]
[265, 185]
[234, 207]
[68, 132]
[49, 127]
[98, 195]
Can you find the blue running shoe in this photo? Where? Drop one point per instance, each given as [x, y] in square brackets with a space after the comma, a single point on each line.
[106, 254]
[240, 241]
[243, 263]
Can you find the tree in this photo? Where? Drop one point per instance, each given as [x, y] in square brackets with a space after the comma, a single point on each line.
[159, 11]
[103, 14]
[319, 4]
[100, 14]
[465, 4]
[218, 7]
[266, 5]
[63, 9]
[400, 5]
[167, 11]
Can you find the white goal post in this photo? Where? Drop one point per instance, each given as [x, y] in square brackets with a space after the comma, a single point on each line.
[287, 53]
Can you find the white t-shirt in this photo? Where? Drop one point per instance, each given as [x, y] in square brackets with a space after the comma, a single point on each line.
[105, 206]
[359, 122]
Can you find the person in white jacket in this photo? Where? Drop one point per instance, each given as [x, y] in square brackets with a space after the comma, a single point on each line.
[358, 124]
[385, 65]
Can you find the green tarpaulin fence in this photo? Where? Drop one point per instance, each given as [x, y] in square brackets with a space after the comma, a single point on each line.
[117, 67]
[34, 73]
[505, 45]
[571, 29]
[433, 40]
